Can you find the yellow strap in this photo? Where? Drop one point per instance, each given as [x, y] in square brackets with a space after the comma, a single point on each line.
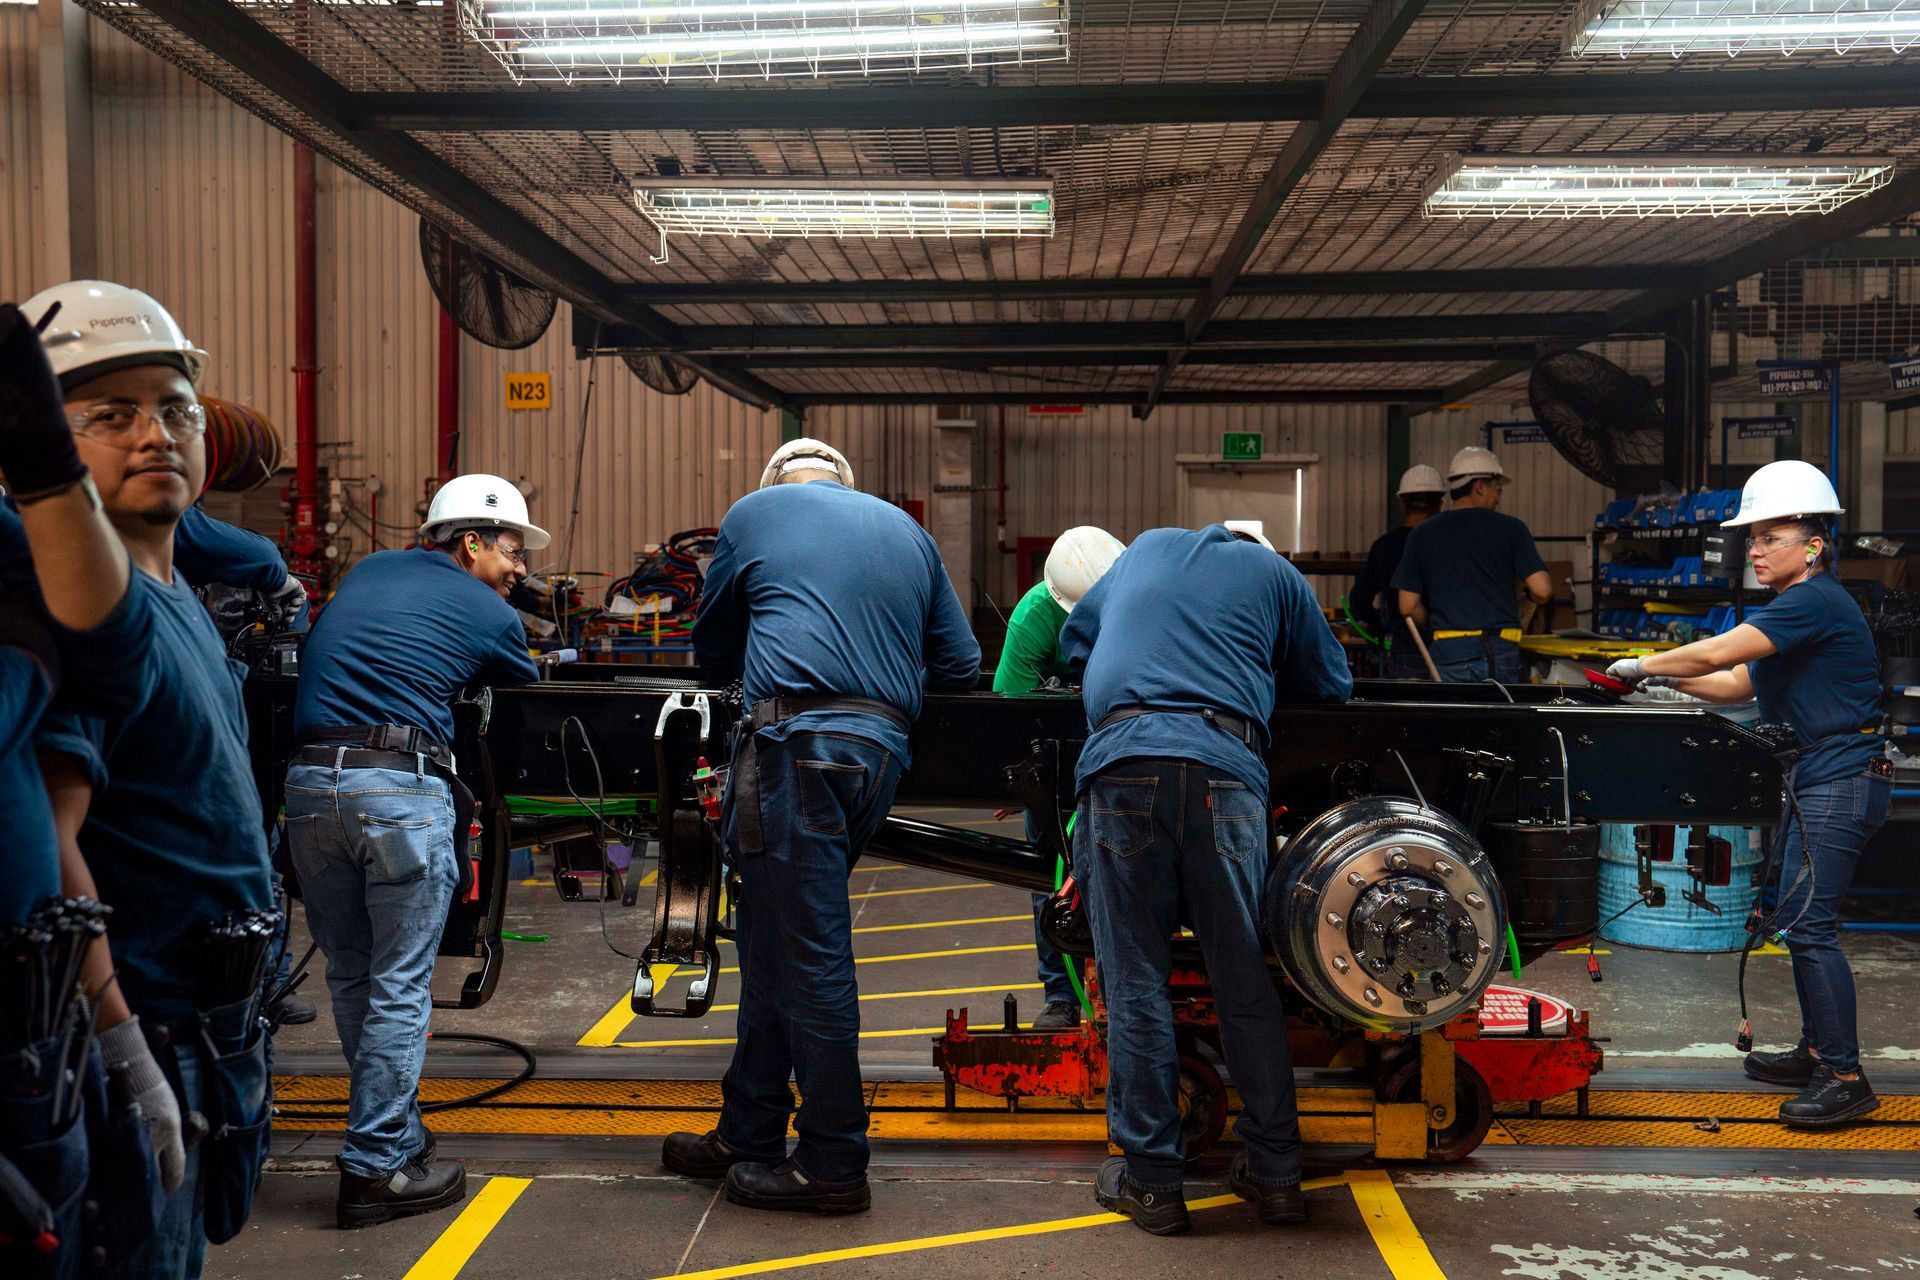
[1505, 633]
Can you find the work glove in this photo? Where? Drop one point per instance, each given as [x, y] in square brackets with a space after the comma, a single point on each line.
[37, 453]
[124, 1050]
[286, 602]
[1627, 671]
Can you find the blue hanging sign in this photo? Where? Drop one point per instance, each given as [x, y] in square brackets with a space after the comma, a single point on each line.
[1789, 380]
[1521, 432]
[1762, 428]
[1904, 373]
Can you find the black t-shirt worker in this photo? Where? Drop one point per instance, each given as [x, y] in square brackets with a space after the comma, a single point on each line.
[1373, 600]
[1457, 575]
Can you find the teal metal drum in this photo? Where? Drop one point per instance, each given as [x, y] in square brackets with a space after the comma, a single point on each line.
[1680, 925]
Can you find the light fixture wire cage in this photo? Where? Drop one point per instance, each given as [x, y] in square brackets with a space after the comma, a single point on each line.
[804, 208]
[613, 41]
[1643, 186]
[1732, 27]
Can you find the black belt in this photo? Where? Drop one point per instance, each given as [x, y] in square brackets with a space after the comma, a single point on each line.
[391, 739]
[744, 777]
[363, 758]
[1239, 726]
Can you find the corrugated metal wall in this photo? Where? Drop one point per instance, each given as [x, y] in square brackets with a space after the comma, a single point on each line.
[19, 151]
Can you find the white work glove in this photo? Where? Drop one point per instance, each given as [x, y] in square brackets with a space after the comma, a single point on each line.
[287, 600]
[1627, 671]
[124, 1050]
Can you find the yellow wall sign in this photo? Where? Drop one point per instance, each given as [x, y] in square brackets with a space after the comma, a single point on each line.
[529, 391]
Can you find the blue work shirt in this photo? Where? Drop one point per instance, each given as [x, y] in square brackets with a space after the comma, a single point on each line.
[404, 634]
[1261, 635]
[1824, 681]
[30, 868]
[151, 705]
[208, 550]
[1464, 563]
[819, 589]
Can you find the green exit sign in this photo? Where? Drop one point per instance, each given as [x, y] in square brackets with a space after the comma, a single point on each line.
[1240, 446]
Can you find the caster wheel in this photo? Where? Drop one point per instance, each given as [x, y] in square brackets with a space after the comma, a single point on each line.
[1472, 1107]
[1203, 1104]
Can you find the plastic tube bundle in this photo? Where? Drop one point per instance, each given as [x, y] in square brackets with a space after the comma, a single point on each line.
[41, 999]
[243, 446]
[233, 958]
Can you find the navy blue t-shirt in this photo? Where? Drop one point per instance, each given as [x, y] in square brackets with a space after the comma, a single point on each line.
[1371, 585]
[406, 632]
[1464, 563]
[1824, 681]
[208, 550]
[1261, 635]
[151, 705]
[819, 589]
[29, 853]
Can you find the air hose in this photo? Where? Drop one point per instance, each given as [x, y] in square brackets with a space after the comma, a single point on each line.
[1072, 962]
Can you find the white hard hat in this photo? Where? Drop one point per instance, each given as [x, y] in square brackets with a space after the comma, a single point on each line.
[101, 327]
[1475, 463]
[1420, 479]
[1079, 557]
[806, 454]
[1781, 490]
[1255, 529]
[481, 501]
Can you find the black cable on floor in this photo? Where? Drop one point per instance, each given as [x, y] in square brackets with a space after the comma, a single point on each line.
[452, 1104]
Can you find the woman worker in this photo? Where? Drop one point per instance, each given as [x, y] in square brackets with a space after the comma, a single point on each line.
[1809, 660]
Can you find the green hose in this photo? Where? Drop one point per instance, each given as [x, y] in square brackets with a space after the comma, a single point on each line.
[1072, 962]
[1513, 952]
[1347, 608]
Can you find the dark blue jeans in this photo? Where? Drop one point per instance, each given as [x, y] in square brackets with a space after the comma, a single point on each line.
[1052, 969]
[1403, 661]
[822, 796]
[1154, 835]
[1840, 817]
[1463, 660]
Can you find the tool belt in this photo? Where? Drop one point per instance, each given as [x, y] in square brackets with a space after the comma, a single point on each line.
[1510, 634]
[1239, 726]
[402, 747]
[765, 714]
[236, 1105]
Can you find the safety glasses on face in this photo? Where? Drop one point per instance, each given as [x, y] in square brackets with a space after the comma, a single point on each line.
[119, 423]
[516, 556]
[1772, 542]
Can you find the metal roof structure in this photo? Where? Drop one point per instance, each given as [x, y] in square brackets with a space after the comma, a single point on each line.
[1237, 190]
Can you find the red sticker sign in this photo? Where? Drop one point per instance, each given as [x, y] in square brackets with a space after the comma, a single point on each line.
[1503, 1011]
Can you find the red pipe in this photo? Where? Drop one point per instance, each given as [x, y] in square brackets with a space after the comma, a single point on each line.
[305, 544]
[1000, 481]
[447, 438]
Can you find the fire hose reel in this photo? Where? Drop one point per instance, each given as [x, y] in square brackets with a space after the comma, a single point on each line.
[1387, 913]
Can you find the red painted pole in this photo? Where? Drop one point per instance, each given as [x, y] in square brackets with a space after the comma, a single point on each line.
[305, 544]
[447, 438]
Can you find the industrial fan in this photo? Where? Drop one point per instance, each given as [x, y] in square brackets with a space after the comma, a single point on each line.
[666, 374]
[1602, 419]
[488, 302]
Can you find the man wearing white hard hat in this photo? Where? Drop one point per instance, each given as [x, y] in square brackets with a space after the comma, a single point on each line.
[1458, 572]
[1030, 655]
[1372, 600]
[146, 744]
[376, 818]
[1808, 659]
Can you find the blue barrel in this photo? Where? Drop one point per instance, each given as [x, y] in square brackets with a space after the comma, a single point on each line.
[1680, 925]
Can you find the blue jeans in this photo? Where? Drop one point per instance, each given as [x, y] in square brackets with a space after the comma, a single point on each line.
[1840, 817]
[1463, 660]
[1153, 836]
[1052, 969]
[375, 852]
[177, 1250]
[822, 796]
[1403, 661]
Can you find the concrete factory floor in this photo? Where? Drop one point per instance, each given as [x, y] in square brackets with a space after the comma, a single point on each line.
[568, 1184]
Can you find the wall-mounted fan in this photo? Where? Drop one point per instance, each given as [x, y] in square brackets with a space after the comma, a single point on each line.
[666, 374]
[1602, 419]
[488, 302]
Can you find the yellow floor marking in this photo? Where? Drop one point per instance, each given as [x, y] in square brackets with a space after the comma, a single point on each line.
[943, 924]
[914, 995]
[444, 1259]
[949, 1241]
[684, 1044]
[1771, 949]
[938, 888]
[604, 1033]
[649, 878]
[1394, 1234]
[980, 822]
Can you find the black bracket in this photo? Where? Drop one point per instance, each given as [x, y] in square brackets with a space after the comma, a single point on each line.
[685, 904]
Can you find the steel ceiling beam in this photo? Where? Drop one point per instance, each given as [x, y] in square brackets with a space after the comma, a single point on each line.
[1365, 53]
[221, 29]
[1370, 396]
[867, 106]
[1105, 357]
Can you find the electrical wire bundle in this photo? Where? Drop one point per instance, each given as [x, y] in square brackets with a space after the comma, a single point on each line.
[666, 584]
[243, 446]
[40, 994]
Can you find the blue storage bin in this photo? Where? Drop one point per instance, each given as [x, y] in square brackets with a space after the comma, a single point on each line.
[1678, 926]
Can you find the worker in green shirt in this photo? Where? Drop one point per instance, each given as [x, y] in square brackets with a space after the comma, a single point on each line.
[1030, 655]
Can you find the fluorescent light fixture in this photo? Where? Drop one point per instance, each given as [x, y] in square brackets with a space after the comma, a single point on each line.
[617, 40]
[1650, 186]
[1730, 27]
[805, 207]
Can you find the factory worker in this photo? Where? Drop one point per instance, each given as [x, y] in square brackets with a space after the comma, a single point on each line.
[149, 720]
[1030, 655]
[377, 822]
[1809, 660]
[1173, 813]
[1373, 600]
[835, 611]
[1457, 573]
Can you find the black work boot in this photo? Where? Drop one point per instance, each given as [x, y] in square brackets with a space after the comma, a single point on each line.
[1058, 1016]
[1277, 1206]
[700, 1155]
[295, 1012]
[1794, 1067]
[787, 1186]
[412, 1188]
[1828, 1102]
[1160, 1213]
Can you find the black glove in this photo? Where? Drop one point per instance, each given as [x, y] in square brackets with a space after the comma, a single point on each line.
[37, 454]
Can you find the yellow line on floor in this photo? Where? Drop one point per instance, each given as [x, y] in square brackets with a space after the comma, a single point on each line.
[1394, 1234]
[914, 995]
[444, 1259]
[931, 955]
[949, 1241]
[937, 888]
[980, 822]
[605, 1032]
[943, 924]
[687, 1044]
